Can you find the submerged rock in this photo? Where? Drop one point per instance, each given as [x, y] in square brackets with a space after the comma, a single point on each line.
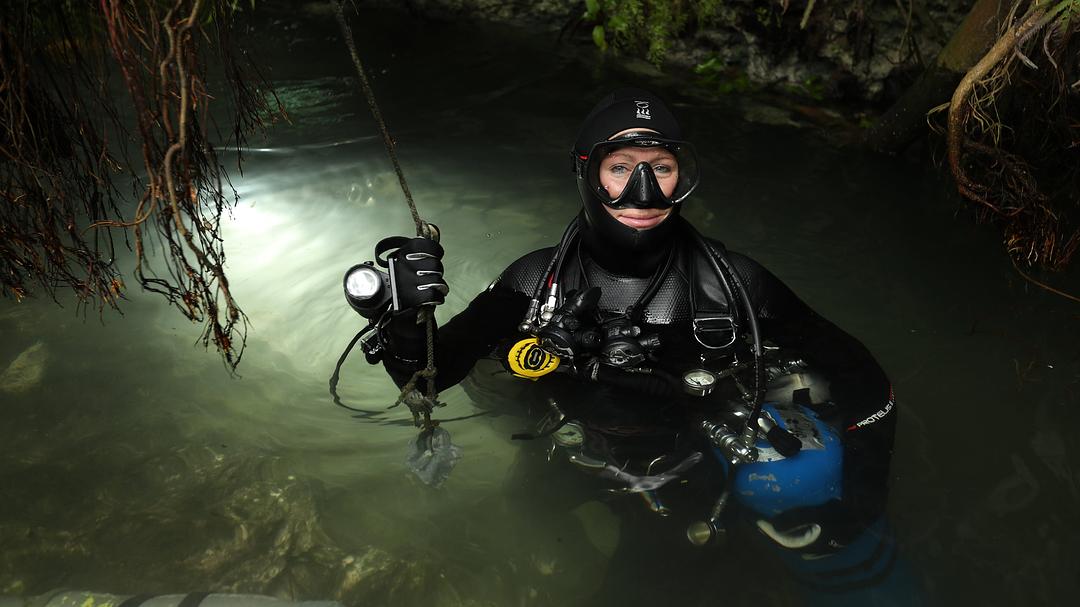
[192, 518]
[25, 372]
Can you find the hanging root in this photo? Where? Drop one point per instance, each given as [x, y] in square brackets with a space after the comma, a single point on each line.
[1014, 134]
[55, 162]
[60, 173]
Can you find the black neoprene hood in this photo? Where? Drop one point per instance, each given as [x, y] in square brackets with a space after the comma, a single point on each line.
[616, 246]
[623, 109]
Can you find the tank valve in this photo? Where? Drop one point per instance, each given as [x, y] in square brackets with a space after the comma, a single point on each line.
[730, 444]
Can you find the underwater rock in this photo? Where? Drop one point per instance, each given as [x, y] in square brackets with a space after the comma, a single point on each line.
[191, 518]
[25, 372]
[378, 578]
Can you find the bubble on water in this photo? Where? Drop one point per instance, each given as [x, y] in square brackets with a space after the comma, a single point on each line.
[356, 192]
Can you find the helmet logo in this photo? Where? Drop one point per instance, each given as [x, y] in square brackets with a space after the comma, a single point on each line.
[643, 110]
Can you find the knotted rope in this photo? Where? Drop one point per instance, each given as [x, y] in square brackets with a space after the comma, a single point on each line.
[421, 405]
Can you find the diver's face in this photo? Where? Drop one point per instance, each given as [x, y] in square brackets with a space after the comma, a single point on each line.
[615, 170]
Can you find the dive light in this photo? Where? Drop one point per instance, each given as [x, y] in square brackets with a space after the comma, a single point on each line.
[367, 289]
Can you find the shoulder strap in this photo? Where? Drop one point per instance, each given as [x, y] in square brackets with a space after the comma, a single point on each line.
[715, 322]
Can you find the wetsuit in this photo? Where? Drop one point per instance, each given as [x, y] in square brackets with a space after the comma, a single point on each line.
[636, 409]
[661, 281]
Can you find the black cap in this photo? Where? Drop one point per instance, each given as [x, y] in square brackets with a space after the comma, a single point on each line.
[624, 109]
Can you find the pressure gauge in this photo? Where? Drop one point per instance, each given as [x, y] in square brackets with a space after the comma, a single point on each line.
[570, 435]
[699, 382]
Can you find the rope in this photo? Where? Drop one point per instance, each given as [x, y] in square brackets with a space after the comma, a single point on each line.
[388, 141]
[420, 405]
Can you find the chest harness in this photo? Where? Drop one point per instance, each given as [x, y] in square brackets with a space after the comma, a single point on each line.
[554, 317]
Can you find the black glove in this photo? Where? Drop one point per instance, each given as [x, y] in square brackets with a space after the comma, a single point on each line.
[416, 271]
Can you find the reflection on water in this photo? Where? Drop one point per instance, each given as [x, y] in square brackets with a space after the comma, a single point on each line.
[132, 463]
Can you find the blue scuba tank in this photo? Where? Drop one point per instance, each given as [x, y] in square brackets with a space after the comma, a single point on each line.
[774, 483]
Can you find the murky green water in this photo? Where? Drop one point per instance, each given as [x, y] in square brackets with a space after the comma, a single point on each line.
[132, 463]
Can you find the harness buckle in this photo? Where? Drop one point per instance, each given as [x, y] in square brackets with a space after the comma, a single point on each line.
[715, 332]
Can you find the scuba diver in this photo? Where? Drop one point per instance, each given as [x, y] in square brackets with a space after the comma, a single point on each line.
[660, 355]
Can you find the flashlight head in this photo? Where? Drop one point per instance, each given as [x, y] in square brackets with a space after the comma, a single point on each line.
[367, 289]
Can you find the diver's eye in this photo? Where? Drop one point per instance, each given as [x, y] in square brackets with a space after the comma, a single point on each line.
[663, 169]
[618, 170]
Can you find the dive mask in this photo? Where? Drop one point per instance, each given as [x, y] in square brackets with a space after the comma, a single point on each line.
[643, 175]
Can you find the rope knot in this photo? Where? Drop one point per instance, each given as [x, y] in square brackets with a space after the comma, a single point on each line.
[420, 405]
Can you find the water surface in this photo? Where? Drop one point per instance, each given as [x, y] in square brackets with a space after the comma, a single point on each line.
[131, 461]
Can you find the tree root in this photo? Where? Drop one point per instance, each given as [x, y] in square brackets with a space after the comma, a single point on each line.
[1007, 188]
[1043, 285]
[59, 180]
